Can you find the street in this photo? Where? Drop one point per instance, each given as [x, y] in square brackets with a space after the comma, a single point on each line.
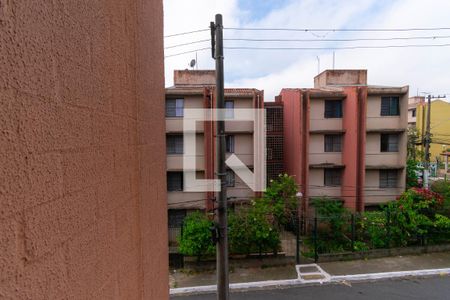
[414, 288]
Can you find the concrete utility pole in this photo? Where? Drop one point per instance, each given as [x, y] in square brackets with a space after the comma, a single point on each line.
[427, 142]
[222, 235]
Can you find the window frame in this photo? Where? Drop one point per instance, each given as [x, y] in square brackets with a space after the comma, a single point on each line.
[389, 143]
[230, 178]
[389, 178]
[390, 109]
[229, 111]
[178, 108]
[174, 152]
[178, 173]
[335, 147]
[229, 143]
[332, 181]
[332, 112]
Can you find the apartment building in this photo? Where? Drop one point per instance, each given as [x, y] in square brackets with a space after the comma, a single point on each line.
[345, 139]
[274, 139]
[195, 89]
[413, 102]
[439, 124]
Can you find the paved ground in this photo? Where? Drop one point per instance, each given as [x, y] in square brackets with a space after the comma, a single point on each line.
[425, 288]
[387, 264]
[186, 279]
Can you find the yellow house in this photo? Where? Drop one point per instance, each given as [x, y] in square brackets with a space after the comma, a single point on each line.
[439, 125]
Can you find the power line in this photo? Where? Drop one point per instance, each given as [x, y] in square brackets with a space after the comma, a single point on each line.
[341, 40]
[185, 52]
[339, 29]
[190, 43]
[313, 40]
[187, 32]
[338, 48]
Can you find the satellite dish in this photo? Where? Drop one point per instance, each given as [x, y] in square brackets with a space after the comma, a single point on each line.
[192, 63]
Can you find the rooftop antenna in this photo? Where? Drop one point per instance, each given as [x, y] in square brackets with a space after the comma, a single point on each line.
[318, 64]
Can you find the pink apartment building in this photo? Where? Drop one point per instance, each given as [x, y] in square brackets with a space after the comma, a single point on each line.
[345, 139]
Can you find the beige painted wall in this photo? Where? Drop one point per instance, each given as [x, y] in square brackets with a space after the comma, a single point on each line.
[375, 195]
[317, 152]
[376, 121]
[317, 187]
[317, 119]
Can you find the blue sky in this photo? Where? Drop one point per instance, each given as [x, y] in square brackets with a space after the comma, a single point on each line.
[424, 69]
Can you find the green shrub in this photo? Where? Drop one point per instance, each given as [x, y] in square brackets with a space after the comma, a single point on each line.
[195, 239]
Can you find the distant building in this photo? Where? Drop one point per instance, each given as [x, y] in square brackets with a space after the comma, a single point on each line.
[345, 139]
[196, 89]
[439, 124]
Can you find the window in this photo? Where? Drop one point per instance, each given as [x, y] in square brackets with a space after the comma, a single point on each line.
[332, 177]
[174, 107]
[230, 178]
[413, 112]
[176, 217]
[229, 109]
[390, 106]
[388, 178]
[229, 143]
[333, 143]
[174, 181]
[333, 108]
[389, 143]
[174, 144]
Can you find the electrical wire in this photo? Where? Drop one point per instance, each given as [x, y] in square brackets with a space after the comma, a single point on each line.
[187, 32]
[339, 48]
[185, 52]
[338, 29]
[189, 43]
[339, 40]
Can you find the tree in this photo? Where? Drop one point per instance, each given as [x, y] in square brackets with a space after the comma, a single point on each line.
[195, 239]
[282, 196]
[413, 139]
[412, 179]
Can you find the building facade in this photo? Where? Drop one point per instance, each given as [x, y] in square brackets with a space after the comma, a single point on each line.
[195, 90]
[345, 139]
[82, 165]
[274, 139]
[439, 124]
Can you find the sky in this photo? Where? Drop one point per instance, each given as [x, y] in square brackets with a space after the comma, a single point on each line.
[425, 69]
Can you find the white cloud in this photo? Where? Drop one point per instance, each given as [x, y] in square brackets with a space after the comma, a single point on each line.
[425, 69]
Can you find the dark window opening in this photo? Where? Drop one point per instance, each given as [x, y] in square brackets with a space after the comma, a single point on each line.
[333, 143]
[388, 178]
[332, 177]
[230, 178]
[390, 106]
[174, 144]
[229, 143]
[174, 181]
[389, 143]
[333, 108]
[174, 107]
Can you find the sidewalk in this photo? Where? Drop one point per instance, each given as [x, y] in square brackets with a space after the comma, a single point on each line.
[289, 273]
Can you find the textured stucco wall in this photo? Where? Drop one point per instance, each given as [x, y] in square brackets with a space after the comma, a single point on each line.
[82, 185]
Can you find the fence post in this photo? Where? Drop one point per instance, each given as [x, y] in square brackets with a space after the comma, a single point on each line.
[297, 246]
[353, 232]
[316, 255]
[388, 227]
